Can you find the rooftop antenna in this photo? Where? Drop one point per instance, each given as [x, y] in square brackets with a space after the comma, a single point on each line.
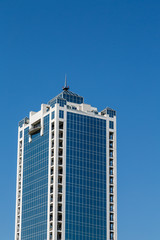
[65, 88]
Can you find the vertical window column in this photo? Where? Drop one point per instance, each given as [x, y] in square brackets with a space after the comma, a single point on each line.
[51, 180]
[19, 190]
[60, 179]
[111, 182]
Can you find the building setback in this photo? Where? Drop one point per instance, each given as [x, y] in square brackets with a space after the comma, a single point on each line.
[67, 172]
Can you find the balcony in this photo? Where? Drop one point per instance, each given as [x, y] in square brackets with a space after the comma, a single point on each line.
[60, 143]
[60, 125]
[52, 144]
[60, 152]
[59, 198]
[51, 180]
[60, 161]
[20, 153]
[52, 126]
[51, 189]
[52, 153]
[52, 162]
[59, 226]
[34, 129]
[50, 236]
[51, 198]
[52, 135]
[60, 179]
[51, 208]
[51, 217]
[60, 134]
[59, 208]
[60, 170]
[59, 217]
[52, 171]
[51, 226]
[59, 236]
[59, 189]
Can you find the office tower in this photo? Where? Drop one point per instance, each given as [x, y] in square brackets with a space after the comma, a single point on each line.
[66, 172]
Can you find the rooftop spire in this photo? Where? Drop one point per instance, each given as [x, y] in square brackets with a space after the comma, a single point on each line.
[65, 88]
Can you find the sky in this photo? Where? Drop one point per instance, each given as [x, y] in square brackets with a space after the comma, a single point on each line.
[110, 51]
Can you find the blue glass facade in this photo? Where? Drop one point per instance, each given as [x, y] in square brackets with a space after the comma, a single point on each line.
[61, 114]
[66, 96]
[59, 100]
[111, 124]
[53, 115]
[71, 97]
[85, 178]
[35, 185]
[111, 112]
[25, 120]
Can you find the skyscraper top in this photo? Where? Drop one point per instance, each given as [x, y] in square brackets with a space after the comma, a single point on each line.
[66, 95]
[67, 172]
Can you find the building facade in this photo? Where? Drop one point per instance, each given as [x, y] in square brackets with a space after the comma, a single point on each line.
[67, 172]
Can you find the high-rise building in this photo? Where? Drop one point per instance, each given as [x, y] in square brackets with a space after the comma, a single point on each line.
[67, 172]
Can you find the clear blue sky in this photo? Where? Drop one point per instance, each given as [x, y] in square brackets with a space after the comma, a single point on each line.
[110, 51]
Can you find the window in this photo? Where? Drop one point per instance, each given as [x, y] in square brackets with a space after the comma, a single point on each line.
[111, 124]
[60, 161]
[60, 170]
[111, 135]
[59, 198]
[111, 198]
[61, 114]
[51, 226]
[111, 171]
[51, 189]
[69, 107]
[111, 226]
[111, 112]
[111, 162]
[111, 144]
[111, 180]
[111, 189]
[59, 226]
[60, 179]
[20, 134]
[53, 126]
[60, 143]
[59, 207]
[60, 125]
[52, 116]
[111, 216]
[59, 236]
[60, 152]
[111, 153]
[51, 208]
[111, 235]
[111, 207]
[50, 235]
[51, 198]
[59, 217]
[60, 134]
[51, 217]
